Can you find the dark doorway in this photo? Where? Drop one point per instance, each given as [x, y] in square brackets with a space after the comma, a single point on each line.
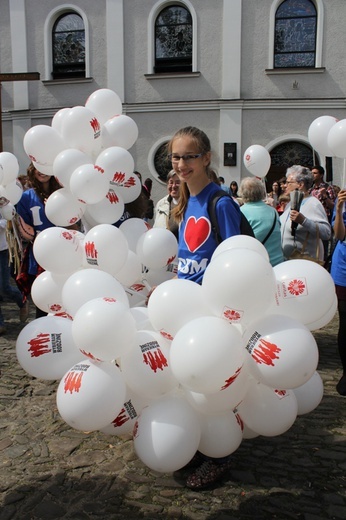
[285, 155]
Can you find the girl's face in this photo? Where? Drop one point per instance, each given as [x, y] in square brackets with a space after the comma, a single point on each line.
[187, 160]
[41, 177]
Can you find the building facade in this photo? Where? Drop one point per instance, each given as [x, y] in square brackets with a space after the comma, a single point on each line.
[245, 71]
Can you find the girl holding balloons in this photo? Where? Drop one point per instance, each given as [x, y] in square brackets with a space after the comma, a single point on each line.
[190, 154]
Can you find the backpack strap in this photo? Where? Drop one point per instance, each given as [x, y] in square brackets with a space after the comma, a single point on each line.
[245, 227]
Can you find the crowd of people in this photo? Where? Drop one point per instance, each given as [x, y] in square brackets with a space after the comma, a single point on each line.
[301, 212]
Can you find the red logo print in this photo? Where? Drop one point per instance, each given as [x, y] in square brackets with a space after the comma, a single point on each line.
[170, 260]
[90, 249]
[40, 345]
[89, 355]
[265, 353]
[118, 178]
[138, 287]
[55, 307]
[232, 315]
[296, 287]
[73, 382]
[247, 157]
[231, 379]
[33, 158]
[281, 393]
[130, 182]
[67, 235]
[135, 430]
[121, 419]
[153, 356]
[166, 335]
[196, 233]
[239, 421]
[95, 125]
[112, 197]
[109, 299]
[99, 168]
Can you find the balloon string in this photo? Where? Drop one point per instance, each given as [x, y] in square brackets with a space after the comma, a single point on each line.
[145, 282]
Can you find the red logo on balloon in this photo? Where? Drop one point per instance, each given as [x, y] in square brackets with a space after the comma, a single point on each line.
[232, 315]
[89, 355]
[40, 345]
[99, 168]
[166, 335]
[265, 353]
[153, 356]
[121, 419]
[170, 260]
[67, 235]
[90, 249]
[112, 197]
[247, 157]
[231, 379]
[130, 182]
[95, 125]
[118, 178]
[239, 421]
[296, 287]
[73, 382]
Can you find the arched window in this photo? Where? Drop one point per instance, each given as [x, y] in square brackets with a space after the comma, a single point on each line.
[68, 45]
[287, 154]
[162, 164]
[295, 34]
[173, 40]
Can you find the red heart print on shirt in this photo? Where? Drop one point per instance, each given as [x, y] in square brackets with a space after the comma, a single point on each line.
[196, 232]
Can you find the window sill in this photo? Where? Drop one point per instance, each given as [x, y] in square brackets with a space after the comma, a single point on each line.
[67, 81]
[317, 70]
[174, 75]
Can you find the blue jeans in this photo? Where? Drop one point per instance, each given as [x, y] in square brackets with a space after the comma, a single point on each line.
[6, 289]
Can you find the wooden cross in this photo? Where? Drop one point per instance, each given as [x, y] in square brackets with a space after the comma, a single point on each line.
[15, 76]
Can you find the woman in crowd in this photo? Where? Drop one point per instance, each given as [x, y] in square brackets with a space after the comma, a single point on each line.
[275, 194]
[163, 209]
[338, 272]
[305, 226]
[31, 220]
[263, 218]
[190, 153]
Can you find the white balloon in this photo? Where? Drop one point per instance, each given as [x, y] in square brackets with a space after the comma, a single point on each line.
[157, 248]
[221, 434]
[90, 395]
[88, 185]
[174, 303]
[120, 130]
[81, 129]
[12, 191]
[59, 250]
[66, 162]
[133, 229]
[310, 394]
[105, 103]
[282, 352]
[318, 134]
[45, 347]
[105, 247]
[103, 329]
[239, 284]
[117, 165]
[108, 211]
[63, 209]
[42, 144]
[257, 160]
[337, 139]
[206, 354]
[9, 168]
[58, 119]
[167, 434]
[7, 211]
[267, 411]
[305, 291]
[241, 242]
[87, 284]
[46, 291]
[131, 271]
[146, 367]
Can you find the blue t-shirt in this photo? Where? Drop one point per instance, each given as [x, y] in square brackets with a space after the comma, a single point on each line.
[31, 209]
[338, 268]
[197, 241]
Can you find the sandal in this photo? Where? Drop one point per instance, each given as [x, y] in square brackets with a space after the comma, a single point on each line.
[207, 474]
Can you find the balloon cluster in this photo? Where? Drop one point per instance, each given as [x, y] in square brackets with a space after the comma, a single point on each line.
[199, 367]
[86, 149]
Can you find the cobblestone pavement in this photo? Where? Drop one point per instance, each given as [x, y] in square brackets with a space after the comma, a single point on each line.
[50, 471]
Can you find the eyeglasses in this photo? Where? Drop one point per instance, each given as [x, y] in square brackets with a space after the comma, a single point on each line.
[186, 158]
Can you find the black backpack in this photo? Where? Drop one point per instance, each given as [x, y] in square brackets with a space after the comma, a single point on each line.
[245, 226]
